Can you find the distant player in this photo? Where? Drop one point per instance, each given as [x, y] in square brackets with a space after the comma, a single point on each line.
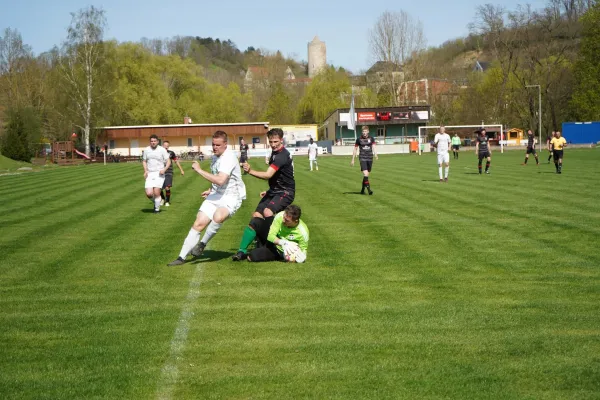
[442, 143]
[168, 184]
[222, 200]
[156, 161]
[549, 146]
[558, 144]
[288, 234]
[243, 152]
[483, 150]
[281, 193]
[313, 152]
[531, 148]
[455, 145]
[366, 146]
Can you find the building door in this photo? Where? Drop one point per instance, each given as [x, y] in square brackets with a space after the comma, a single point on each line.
[134, 148]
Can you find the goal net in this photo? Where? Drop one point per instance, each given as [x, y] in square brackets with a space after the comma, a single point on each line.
[465, 132]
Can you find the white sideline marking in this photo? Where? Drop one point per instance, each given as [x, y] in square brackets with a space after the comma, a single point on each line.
[170, 371]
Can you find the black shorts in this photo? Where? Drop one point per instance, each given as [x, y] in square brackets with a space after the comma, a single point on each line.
[168, 181]
[484, 154]
[455, 147]
[366, 165]
[243, 159]
[558, 154]
[531, 150]
[275, 202]
[265, 253]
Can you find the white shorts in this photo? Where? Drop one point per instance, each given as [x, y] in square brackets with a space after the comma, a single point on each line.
[312, 158]
[154, 180]
[211, 203]
[443, 158]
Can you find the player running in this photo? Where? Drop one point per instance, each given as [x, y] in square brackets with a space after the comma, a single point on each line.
[483, 150]
[366, 146]
[156, 161]
[168, 184]
[442, 143]
[222, 200]
[281, 193]
[531, 148]
[313, 152]
[243, 152]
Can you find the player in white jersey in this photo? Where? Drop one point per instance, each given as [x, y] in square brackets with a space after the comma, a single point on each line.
[313, 152]
[442, 142]
[222, 200]
[156, 161]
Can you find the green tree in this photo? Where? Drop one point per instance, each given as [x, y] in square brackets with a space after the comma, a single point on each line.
[329, 90]
[82, 54]
[22, 132]
[279, 109]
[585, 104]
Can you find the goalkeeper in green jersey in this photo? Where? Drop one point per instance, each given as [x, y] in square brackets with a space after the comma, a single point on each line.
[287, 239]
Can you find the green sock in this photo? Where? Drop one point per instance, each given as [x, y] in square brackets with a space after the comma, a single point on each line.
[247, 238]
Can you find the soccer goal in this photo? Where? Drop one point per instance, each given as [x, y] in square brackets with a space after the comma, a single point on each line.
[450, 127]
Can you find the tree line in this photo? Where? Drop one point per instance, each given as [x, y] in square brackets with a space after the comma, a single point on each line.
[90, 82]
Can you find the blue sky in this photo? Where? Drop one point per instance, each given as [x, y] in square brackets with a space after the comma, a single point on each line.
[273, 25]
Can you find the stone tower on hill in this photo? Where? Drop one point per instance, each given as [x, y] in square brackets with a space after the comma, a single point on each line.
[317, 56]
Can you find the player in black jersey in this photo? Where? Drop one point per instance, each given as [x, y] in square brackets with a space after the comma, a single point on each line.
[366, 146]
[165, 193]
[531, 148]
[281, 193]
[549, 146]
[243, 152]
[482, 150]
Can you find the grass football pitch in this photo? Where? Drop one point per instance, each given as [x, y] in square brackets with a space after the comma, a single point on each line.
[487, 286]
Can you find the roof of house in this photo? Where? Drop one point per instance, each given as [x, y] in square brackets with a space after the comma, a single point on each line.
[383, 66]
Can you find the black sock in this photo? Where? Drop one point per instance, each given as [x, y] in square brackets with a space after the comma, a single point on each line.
[162, 195]
[479, 166]
[168, 195]
[556, 165]
[537, 160]
[487, 166]
[526, 160]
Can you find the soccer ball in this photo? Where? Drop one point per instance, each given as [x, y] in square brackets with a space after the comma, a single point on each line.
[297, 256]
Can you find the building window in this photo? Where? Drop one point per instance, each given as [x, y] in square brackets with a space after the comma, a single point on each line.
[111, 144]
[256, 140]
[190, 143]
[381, 132]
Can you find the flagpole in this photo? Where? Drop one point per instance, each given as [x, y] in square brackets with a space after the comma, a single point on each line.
[351, 119]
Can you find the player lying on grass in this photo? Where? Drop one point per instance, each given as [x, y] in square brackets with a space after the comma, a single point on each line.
[287, 239]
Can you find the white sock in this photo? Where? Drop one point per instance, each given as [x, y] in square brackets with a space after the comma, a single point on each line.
[211, 230]
[157, 203]
[311, 165]
[440, 170]
[188, 244]
[316, 165]
[447, 169]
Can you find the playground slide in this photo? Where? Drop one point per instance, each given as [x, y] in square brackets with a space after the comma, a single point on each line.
[82, 154]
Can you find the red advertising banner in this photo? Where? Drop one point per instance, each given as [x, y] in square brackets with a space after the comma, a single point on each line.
[366, 116]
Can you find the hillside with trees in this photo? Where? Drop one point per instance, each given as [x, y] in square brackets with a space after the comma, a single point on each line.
[88, 81]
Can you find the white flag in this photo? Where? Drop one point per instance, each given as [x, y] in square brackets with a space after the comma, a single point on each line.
[352, 117]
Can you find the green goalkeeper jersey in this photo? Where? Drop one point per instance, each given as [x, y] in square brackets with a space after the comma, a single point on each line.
[298, 234]
[455, 141]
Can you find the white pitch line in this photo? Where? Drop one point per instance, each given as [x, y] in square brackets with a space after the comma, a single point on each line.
[170, 371]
